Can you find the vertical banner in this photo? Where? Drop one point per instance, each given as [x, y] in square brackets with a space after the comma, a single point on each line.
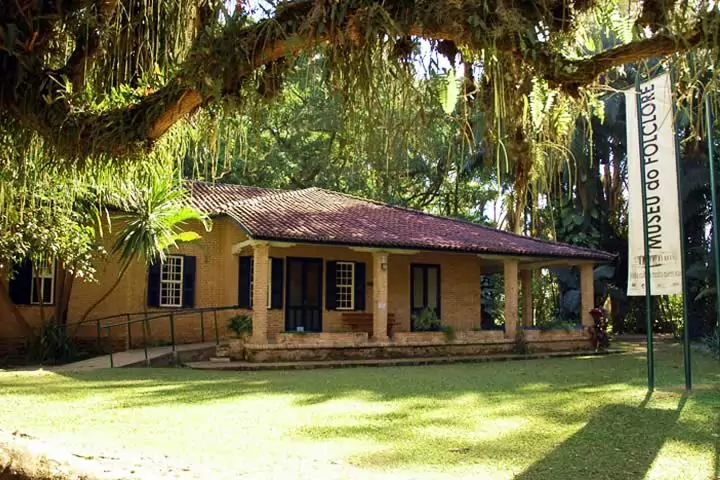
[660, 182]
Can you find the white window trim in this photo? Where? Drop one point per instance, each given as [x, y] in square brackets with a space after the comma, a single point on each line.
[174, 282]
[352, 285]
[40, 275]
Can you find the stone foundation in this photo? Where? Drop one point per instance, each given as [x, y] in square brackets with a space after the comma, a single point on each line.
[356, 345]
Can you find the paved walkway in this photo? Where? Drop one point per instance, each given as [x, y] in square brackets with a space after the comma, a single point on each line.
[384, 362]
[130, 357]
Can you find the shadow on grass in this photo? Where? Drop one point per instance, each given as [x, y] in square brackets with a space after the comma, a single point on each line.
[609, 446]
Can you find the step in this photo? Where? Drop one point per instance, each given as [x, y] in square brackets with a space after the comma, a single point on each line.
[307, 365]
[218, 360]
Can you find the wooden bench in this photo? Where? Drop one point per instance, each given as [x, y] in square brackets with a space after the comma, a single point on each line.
[363, 322]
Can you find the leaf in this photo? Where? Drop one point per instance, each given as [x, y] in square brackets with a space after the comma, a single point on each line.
[187, 237]
[449, 94]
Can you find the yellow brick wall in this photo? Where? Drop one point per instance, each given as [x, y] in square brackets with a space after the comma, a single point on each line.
[216, 285]
[217, 280]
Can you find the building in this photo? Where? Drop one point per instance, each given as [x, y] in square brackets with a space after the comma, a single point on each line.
[320, 268]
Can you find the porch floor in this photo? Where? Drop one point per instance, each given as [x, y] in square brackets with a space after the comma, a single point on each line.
[385, 362]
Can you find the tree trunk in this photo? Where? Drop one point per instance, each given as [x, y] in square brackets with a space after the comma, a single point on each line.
[65, 283]
[107, 294]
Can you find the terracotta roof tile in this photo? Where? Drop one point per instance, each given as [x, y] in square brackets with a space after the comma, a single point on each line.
[213, 198]
[321, 216]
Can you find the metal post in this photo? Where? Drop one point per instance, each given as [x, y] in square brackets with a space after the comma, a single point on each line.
[145, 346]
[202, 326]
[172, 335]
[678, 162]
[217, 335]
[129, 332]
[648, 293]
[715, 213]
[109, 329]
[99, 337]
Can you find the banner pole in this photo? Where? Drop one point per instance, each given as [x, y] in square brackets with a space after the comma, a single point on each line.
[715, 220]
[646, 241]
[678, 162]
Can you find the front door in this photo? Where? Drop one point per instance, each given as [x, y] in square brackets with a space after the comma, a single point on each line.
[303, 306]
[424, 289]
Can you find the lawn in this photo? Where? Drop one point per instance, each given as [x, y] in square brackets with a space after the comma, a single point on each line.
[585, 417]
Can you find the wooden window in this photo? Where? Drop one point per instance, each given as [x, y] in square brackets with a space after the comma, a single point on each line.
[171, 282]
[43, 283]
[345, 286]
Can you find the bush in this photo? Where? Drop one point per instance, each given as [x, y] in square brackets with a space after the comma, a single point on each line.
[426, 321]
[710, 342]
[54, 346]
[240, 324]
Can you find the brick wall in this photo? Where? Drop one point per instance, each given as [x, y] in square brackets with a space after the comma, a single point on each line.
[217, 280]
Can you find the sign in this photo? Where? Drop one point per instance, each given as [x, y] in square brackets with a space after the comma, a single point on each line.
[660, 182]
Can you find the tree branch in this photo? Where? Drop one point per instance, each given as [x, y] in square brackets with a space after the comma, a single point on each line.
[219, 65]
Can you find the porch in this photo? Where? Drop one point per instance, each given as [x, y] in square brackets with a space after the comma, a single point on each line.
[345, 303]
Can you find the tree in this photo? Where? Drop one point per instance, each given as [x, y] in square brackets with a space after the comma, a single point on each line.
[111, 77]
[152, 221]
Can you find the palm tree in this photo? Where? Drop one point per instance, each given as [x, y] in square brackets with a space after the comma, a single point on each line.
[152, 222]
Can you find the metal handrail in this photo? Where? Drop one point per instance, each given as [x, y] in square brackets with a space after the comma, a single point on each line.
[154, 315]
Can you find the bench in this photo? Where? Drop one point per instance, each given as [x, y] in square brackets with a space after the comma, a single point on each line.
[363, 322]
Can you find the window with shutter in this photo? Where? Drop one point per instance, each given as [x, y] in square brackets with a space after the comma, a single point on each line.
[171, 281]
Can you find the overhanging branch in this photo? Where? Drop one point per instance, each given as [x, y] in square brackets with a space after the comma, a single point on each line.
[218, 66]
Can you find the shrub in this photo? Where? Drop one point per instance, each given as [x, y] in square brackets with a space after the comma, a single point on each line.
[426, 321]
[54, 345]
[711, 343]
[240, 324]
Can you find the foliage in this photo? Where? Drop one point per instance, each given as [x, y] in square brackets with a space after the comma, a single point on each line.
[152, 220]
[240, 324]
[449, 332]
[426, 321]
[54, 345]
[711, 343]
[521, 346]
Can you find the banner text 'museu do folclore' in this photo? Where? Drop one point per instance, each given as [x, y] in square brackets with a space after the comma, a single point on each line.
[658, 134]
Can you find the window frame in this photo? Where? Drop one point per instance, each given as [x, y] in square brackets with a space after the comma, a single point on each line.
[33, 279]
[339, 286]
[179, 282]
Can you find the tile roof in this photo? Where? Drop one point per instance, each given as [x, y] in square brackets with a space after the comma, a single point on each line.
[213, 198]
[314, 215]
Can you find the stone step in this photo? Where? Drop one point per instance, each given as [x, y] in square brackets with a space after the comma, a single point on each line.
[250, 366]
[219, 359]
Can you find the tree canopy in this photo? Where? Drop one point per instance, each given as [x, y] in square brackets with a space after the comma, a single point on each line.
[111, 77]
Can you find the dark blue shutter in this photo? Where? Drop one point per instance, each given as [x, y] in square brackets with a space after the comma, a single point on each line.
[153, 286]
[330, 285]
[20, 284]
[189, 269]
[244, 282]
[359, 281]
[276, 300]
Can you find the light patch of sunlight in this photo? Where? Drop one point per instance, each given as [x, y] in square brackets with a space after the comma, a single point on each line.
[678, 459]
[533, 387]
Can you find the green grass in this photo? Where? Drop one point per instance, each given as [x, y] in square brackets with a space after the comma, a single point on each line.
[585, 417]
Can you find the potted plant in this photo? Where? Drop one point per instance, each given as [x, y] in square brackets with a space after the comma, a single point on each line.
[241, 325]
